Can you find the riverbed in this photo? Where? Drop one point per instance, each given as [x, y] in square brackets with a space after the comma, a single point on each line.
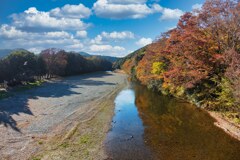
[148, 125]
[40, 118]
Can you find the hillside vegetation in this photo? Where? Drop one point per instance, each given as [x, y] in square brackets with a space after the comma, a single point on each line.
[199, 60]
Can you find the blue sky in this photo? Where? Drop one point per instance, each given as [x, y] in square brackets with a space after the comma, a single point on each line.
[106, 27]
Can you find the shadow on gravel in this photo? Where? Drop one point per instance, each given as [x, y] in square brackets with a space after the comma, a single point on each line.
[19, 103]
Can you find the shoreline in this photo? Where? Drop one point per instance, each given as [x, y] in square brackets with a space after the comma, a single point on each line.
[64, 117]
[84, 139]
[221, 122]
[227, 126]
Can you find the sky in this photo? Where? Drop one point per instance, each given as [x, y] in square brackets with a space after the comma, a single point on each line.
[102, 27]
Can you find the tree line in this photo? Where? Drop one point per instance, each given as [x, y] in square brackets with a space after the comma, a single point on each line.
[23, 66]
[198, 60]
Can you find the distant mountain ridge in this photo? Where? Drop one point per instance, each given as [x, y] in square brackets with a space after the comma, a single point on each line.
[6, 52]
[84, 54]
[108, 58]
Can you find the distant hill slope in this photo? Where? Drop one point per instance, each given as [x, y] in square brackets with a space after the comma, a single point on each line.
[84, 54]
[6, 52]
[108, 58]
[132, 59]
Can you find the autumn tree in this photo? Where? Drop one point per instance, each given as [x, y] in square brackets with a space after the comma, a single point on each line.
[76, 64]
[55, 61]
[198, 59]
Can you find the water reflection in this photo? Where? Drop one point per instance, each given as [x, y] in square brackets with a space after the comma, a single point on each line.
[125, 140]
[150, 126]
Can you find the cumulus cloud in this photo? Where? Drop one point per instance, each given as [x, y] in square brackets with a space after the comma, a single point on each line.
[118, 35]
[171, 14]
[112, 36]
[12, 37]
[39, 20]
[63, 27]
[71, 11]
[144, 41]
[97, 40]
[74, 47]
[105, 48]
[127, 1]
[81, 34]
[36, 49]
[58, 28]
[11, 32]
[125, 9]
[197, 6]
[116, 9]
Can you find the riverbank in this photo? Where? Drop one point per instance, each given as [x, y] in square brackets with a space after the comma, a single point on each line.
[65, 118]
[147, 125]
[226, 125]
[85, 138]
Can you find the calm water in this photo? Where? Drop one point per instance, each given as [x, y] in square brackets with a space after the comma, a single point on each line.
[148, 126]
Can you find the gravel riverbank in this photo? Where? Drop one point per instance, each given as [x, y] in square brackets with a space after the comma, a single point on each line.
[32, 118]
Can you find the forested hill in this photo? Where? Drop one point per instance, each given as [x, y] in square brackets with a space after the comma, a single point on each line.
[6, 52]
[108, 58]
[198, 60]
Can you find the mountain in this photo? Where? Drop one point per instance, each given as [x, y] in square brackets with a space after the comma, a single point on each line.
[6, 52]
[108, 58]
[133, 58]
[84, 54]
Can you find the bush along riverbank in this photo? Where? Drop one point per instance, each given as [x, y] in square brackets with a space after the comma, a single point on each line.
[198, 61]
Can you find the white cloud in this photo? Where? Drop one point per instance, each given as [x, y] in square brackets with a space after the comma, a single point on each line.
[71, 11]
[116, 9]
[11, 32]
[171, 14]
[105, 48]
[123, 9]
[7, 31]
[143, 42]
[97, 40]
[197, 6]
[31, 10]
[11, 37]
[73, 47]
[58, 34]
[118, 35]
[109, 36]
[81, 34]
[36, 50]
[127, 1]
[34, 19]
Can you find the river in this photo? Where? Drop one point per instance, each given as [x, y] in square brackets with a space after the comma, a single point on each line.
[148, 126]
